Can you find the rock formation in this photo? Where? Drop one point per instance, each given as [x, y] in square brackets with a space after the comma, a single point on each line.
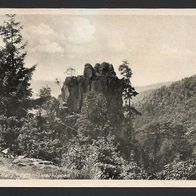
[101, 79]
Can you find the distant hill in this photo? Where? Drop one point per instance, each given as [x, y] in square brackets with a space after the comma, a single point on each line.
[151, 86]
[36, 85]
[146, 90]
[175, 103]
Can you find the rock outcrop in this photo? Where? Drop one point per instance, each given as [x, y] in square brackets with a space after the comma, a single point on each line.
[102, 79]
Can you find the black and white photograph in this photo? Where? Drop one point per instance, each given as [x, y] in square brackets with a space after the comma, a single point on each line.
[97, 94]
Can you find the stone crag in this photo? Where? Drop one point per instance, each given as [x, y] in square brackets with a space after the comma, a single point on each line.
[102, 79]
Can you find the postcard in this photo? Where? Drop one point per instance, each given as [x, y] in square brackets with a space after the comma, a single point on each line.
[98, 97]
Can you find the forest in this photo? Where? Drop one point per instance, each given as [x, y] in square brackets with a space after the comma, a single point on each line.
[93, 130]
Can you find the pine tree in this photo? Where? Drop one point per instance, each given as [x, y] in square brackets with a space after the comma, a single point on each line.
[128, 90]
[15, 78]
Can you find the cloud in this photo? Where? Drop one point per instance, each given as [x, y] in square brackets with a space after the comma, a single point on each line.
[42, 38]
[48, 47]
[81, 31]
[154, 45]
[41, 30]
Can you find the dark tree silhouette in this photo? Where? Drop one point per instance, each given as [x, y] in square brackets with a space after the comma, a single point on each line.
[15, 78]
[128, 90]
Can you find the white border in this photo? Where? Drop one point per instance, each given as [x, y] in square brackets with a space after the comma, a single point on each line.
[64, 11]
[97, 183]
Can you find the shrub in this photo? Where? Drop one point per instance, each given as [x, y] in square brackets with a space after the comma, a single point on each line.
[181, 170]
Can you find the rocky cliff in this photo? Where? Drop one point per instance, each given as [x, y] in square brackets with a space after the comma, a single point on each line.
[102, 79]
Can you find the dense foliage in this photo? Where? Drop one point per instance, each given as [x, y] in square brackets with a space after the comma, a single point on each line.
[43, 134]
[179, 170]
[176, 102]
[166, 128]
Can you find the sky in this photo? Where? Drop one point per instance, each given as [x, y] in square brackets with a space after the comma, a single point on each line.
[159, 47]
